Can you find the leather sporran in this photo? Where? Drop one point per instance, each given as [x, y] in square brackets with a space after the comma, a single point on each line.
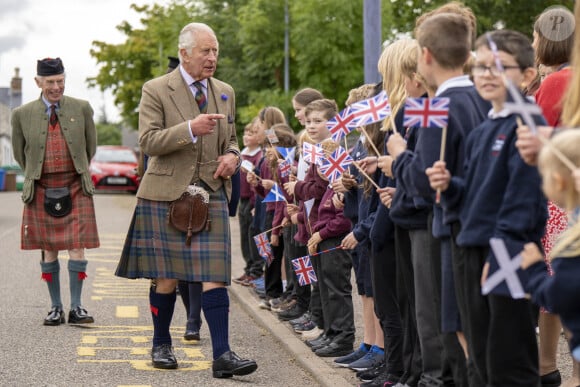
[57, 201]
[190, 213]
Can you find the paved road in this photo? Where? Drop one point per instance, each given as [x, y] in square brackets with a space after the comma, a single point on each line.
[115, 350]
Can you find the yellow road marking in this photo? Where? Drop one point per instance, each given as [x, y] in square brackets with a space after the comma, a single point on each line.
[127, 311]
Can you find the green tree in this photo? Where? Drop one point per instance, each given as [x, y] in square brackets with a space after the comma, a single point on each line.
[108, 134]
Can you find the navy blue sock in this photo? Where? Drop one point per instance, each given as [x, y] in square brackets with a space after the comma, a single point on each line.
[162, 306]
[216, 308]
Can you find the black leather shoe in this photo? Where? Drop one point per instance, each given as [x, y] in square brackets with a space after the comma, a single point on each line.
[55, 316]
[191, 335]
[334, 349]
[230, 364]
[553, 379]
[163, 357]
[79, 315]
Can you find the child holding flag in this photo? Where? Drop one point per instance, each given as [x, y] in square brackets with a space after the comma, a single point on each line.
[498, 196]
[333, 273]
[271, 184]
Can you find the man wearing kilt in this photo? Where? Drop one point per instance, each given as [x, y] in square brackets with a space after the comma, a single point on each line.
[54, 139]
[186, 126]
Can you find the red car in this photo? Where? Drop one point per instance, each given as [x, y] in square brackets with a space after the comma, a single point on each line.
[114, 168]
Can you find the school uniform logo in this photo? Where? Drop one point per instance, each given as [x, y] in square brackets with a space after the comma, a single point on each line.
[498, 145]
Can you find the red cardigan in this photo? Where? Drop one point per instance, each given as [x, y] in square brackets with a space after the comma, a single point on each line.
[551, 93]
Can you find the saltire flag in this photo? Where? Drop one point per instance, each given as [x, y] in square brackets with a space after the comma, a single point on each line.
[275, 195]
[504, 271]
[426, 112]
[304, 270]
[312, 154]
[341, 124]
[335, 164]
[287, 153]
[518, 105]
[285, 166]
[264, 247]
[371, 110]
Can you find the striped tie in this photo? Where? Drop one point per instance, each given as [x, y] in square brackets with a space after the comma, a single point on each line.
[200, 97]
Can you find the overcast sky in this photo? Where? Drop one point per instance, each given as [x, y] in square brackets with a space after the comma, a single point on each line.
[35, 29]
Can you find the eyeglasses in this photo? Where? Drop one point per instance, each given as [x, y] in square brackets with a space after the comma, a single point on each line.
[479, 70]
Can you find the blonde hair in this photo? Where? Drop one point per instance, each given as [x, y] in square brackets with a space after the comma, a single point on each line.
[566, 142]
[360, 93]
[395, 61]
[571, 105]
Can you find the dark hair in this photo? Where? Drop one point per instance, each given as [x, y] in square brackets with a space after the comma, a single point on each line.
[328, 106]
[448, 38]
[512, 42]
[286, 139]
[555, 39]
[307, 95]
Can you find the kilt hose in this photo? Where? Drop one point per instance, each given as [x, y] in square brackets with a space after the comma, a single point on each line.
[77, 230]
[154, 249]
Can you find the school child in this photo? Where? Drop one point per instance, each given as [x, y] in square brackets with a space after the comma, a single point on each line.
[559, 292]
[253, 140]
[268, 117]
[333, 273]
[317, 114]
[440, 63]
[498, 195]
[357, 207]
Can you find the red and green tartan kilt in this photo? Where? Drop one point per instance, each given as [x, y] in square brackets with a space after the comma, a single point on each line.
[154, 249]
[77, 230]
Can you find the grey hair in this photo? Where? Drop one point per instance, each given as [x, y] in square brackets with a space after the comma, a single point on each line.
[189, 33]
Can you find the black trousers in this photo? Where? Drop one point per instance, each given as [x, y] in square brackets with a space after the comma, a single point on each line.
[273, 271]
[500, 331]
[292, 250]
[384, 278]
[254, 263]
[412, 361]
[336, 291]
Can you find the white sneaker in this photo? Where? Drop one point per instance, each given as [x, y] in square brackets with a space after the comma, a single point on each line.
[312, 334]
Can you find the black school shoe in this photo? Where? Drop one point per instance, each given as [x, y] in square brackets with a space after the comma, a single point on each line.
[54, 317]
[553, 379]
[79, 315]
[163, 358]
[230, 364]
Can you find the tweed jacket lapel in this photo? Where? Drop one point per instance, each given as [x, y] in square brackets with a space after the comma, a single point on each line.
[215, 103]
[180, 94]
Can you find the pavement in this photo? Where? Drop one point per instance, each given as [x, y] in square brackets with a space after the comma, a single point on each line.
[321, 369]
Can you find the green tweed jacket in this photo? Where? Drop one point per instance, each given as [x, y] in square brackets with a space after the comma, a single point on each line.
[29, 132]
[174, 160]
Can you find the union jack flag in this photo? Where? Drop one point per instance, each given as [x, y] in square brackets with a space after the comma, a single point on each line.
[341, 124]
[426, 112]
[335, 164]
[371, 110]
[312, 154]
[304, 270]
[275, 195]
[285, 166]
[264, 248]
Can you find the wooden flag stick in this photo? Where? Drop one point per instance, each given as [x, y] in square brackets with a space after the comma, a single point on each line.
[565, 160]
[273, 228]
[441, 158]
[369, 140]
[365, 175]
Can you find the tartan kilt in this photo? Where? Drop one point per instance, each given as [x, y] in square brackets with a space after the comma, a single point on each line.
[154, 249]
[77, 230]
